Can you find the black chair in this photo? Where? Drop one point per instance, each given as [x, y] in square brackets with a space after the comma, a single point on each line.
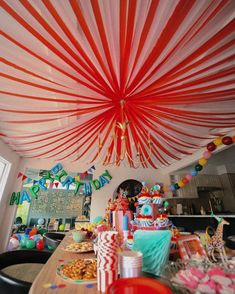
[11, 285]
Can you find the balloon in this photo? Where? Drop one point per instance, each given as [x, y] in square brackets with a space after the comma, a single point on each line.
[13, 244]
[181, 184]
[188, 177]
[198, 167]
[218, 141]
[15, 237]
[211, 146]
[40, 245]
[41, 221]
[185, 180]
[96, 184]
[172, 187]
[227, 140]
[23, 242]
[207, 154]
[202, 161]
[177, 186]
[30, 244]
[19, 236]
[166, 204]
[32, 233]
[157, 187]
[62, 227]
[193, 172]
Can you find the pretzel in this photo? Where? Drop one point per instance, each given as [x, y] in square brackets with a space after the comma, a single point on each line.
[81, 269]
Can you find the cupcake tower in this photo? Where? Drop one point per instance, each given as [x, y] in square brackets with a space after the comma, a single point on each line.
[148, 202]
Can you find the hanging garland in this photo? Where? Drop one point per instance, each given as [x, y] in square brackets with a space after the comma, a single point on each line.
[227, 140]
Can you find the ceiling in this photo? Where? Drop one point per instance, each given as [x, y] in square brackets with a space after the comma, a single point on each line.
[103, 80]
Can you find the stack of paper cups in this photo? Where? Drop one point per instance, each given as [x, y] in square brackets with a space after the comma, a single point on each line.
[107, 259]
[130, 264]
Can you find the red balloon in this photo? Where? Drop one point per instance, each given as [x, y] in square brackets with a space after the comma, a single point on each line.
[40, 245]
[227, 140]
[15, 237]
[211, 146]
[185, 181]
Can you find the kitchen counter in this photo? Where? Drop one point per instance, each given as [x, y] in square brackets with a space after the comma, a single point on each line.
[191, 223]
[199, 215]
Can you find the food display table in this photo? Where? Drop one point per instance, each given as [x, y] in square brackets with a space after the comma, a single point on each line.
[48, 276]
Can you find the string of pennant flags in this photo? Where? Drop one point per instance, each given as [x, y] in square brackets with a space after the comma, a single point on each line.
[50, 185]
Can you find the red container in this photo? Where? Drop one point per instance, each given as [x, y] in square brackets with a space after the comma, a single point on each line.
[138, 286]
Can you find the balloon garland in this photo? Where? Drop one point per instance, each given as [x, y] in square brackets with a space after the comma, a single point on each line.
[227, 140]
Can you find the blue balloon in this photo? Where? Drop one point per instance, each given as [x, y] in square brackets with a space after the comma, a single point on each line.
[193, 172]
[19, 236]
[172, 187]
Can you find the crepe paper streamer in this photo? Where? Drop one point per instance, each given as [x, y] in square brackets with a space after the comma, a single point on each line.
[47, 285]
[89, 286]
[125, 223]
[155, 246]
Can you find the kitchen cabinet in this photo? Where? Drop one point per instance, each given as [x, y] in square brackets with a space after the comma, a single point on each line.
[190, 190]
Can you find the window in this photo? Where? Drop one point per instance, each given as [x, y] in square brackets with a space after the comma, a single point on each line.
[4, 172]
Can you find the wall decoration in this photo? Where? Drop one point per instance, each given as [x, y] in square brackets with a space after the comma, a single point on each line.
[55, 176]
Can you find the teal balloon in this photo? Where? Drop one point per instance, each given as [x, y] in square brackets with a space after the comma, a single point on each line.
[23, 242]
[50, 247]
[198, 167]
[166, 204]
[30, 244]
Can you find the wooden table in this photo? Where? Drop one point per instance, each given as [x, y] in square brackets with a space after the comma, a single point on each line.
[48, 273]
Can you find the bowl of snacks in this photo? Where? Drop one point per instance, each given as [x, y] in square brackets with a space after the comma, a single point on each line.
[79, 236]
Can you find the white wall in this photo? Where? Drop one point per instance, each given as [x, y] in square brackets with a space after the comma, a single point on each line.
[7, 212]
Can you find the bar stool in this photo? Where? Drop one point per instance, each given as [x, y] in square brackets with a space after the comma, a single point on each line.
[10, 284]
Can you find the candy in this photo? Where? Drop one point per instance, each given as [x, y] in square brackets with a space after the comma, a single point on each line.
[205, 288]
[224, 281]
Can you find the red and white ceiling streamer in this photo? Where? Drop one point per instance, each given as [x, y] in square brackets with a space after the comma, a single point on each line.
[66, 65]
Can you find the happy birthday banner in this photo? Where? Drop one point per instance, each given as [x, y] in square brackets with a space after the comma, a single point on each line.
[56, 174]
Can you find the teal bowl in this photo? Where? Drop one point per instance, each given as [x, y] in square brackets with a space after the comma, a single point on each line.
[79, 236]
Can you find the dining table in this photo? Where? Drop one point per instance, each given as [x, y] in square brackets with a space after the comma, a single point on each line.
[49, 282]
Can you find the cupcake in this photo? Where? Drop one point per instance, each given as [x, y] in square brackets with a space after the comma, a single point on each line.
[145, 220]
[162, 222]
[129, 242]
[157, 199]
[145, 198]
